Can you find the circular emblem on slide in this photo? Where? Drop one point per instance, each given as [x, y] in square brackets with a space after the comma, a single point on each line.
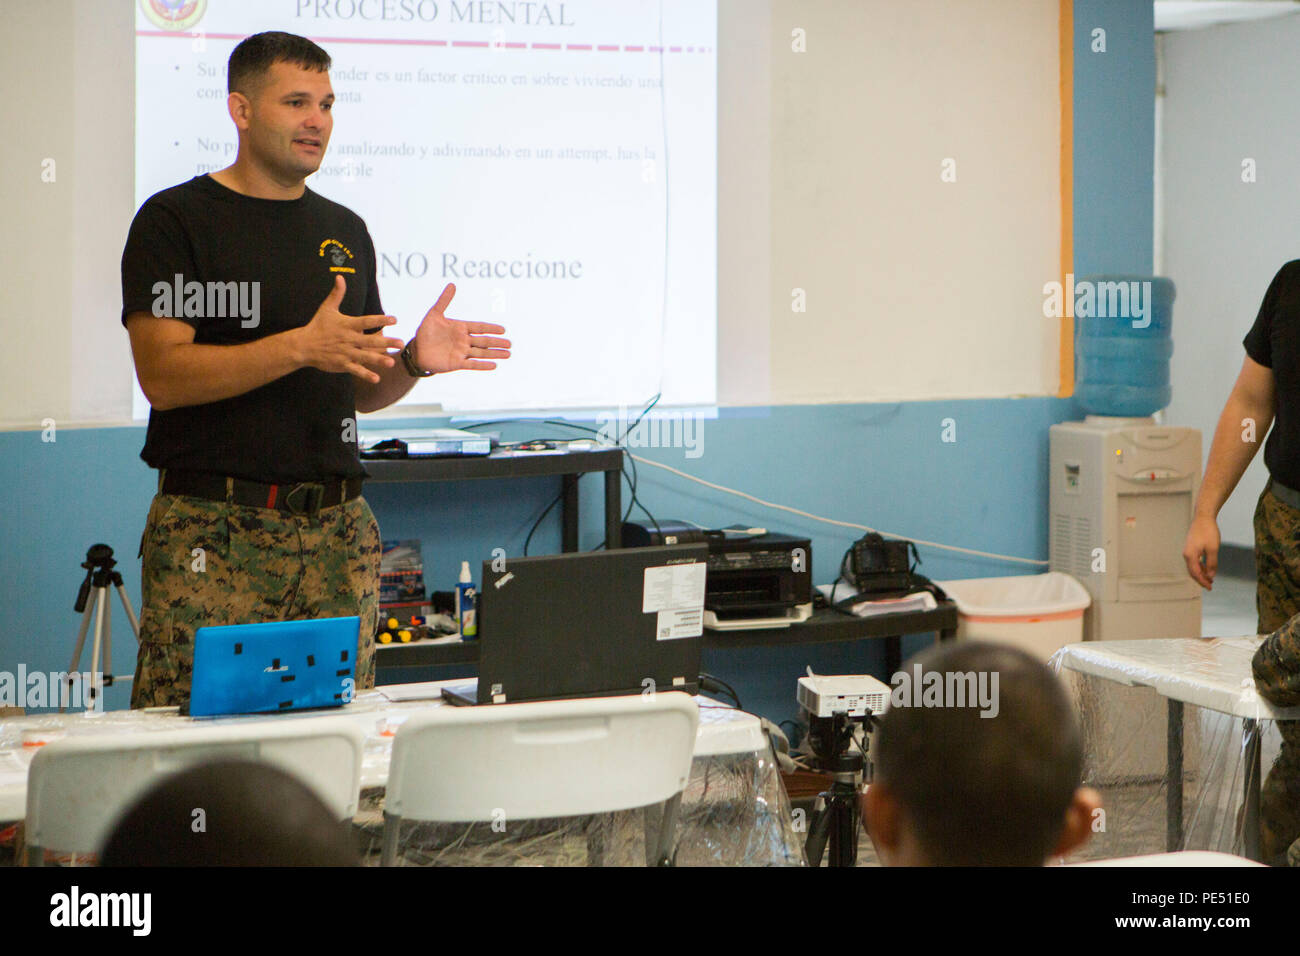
[174, 14]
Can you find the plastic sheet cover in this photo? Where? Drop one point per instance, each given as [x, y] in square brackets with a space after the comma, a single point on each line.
[734, 812]
[1123, 692]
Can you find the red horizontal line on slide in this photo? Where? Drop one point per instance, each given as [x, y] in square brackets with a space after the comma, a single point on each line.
[400, 41]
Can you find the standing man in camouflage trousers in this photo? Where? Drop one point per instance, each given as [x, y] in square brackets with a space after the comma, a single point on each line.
[1267, 393]
[256, 327]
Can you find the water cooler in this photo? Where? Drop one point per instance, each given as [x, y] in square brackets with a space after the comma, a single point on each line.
[1121, 496]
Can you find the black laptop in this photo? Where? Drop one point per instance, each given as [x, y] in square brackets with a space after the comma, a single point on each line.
[598, 624]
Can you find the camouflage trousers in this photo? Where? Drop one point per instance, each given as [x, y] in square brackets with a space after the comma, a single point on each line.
[1277, 600]
[214, 562]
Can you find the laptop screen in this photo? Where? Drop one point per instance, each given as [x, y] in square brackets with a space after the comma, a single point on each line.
[591, 624]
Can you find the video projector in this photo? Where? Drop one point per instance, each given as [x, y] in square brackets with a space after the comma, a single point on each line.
[849, 694]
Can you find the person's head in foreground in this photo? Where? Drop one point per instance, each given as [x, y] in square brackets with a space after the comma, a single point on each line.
[994, 782]
[230, 813]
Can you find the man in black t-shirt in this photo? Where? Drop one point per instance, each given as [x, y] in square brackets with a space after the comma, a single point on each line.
[1267, 393]
[256, 329]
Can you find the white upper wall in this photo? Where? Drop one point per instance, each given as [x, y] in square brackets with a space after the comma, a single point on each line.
[68, 118]
[1229, 97]
[916, 288]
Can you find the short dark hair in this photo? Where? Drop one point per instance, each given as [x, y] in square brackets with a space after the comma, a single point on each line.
[250, 61]
[991, 790]
[253, 814]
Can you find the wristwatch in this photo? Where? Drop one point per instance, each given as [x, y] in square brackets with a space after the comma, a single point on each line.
[409, 361]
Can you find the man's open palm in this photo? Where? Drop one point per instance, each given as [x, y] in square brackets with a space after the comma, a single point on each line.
[448, 345]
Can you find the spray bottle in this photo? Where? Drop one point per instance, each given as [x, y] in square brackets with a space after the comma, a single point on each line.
[466, 597]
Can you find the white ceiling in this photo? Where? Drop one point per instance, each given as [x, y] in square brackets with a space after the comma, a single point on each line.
[1194, 14]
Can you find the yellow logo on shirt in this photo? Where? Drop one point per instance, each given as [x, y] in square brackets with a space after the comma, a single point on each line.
[339, 255]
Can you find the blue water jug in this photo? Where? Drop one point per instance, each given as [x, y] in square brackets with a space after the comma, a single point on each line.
[1122, 348]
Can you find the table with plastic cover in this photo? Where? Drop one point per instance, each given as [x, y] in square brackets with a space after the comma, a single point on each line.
[1213, 673]
[734, 809]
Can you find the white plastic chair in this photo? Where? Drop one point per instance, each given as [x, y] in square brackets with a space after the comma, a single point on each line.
[545, 759]
[79, 786]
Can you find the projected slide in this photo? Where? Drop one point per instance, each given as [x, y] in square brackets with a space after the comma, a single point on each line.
[555, 160]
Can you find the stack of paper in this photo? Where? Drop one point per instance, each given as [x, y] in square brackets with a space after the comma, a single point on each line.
[869, 607]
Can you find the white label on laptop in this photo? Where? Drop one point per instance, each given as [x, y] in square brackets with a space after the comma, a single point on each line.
[674, 587]
[679, 622]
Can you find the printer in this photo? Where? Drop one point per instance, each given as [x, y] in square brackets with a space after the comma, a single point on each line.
[753, 581]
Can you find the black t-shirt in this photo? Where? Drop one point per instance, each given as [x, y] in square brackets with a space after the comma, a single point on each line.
[1274, 342]
[300, 427]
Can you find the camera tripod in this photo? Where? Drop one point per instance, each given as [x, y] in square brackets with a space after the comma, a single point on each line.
[99, 566]
[836, 822]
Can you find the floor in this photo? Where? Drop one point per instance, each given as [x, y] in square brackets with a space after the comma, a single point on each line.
[1229, 610]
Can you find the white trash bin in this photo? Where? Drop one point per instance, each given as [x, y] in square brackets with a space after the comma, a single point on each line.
[1038, 613]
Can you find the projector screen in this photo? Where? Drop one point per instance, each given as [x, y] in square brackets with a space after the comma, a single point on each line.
[555, 160]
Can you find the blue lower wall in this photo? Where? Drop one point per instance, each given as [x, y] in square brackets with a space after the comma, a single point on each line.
[887, 466]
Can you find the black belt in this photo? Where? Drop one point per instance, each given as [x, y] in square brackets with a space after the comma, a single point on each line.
[1284, 494]
[303, 498]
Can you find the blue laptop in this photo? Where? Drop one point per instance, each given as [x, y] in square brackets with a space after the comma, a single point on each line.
[281, 665]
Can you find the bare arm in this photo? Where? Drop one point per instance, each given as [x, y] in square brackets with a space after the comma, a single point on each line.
[1235, 444]
[394, 382]
[175, 372]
